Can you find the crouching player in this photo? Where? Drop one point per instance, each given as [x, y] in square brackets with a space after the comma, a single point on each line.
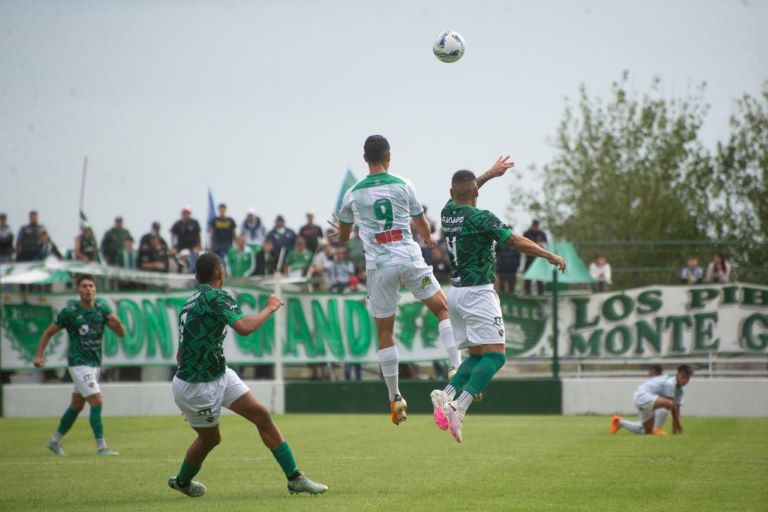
[203, 383]
[655, 399]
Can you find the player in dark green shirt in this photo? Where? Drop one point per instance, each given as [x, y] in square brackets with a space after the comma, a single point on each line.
[84, 321]
[203, 383]
[471, 235]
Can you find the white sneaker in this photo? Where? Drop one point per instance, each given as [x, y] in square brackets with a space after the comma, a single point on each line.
[194, 490]
[106, 452]
[455, 419]
[304, 484]
[55, 448]
[439, 399]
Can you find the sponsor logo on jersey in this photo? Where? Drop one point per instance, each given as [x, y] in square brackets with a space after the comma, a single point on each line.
[426, 281]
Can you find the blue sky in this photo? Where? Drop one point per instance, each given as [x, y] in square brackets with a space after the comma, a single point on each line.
[268, 103]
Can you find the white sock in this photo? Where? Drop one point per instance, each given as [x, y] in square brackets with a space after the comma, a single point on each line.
[464, 401]
[446, 336]
[636, 428]
[57, 437]
[101, 443]
[660, 416]
[450, 391]
[389, 358]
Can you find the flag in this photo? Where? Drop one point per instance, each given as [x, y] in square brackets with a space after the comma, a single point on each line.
[211, 211]
[87, 225]
[347, 183]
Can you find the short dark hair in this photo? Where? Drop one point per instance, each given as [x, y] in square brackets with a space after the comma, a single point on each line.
[461, 184]
[376, 149]
[84, 277]
[684, 368]
[206, 267]
[655, 369]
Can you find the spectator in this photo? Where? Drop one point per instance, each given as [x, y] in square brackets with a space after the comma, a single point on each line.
[692, 273]
[440, 267]
[28, 239]
[185, 233]
[340, 269]
[254, 231]
[297, 261]
[426, 251]
[222, 233]
[507, 265]
[312, 233]
[266, 259]
[535, 234]
[718, 270]
[86, 247]
[153, 231]
[114, 241]
[154, 256]
[240, 259]
[600, 270]
[320, 262]
[47, 248]
[282, 237]
[6, 240]
[126, 258]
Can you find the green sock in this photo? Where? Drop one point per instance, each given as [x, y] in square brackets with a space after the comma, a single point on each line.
[284, 457]
[186, 473]
[95, 419]
[67, 420]
[484, 371]
[463, 372]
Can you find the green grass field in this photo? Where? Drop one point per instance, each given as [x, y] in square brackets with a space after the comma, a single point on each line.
[506, 463]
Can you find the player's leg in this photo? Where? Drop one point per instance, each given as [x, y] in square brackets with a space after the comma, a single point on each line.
[661, 409]
[96, 403]
[65, 423]
[251, 409]
[207, 439]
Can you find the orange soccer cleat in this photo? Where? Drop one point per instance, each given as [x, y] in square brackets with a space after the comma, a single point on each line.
[398, 408]
[615, 423]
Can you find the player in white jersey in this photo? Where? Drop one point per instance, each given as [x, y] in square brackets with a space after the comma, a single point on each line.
[654, 399]
[383, 206]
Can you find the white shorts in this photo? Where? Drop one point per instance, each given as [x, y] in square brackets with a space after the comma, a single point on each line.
[475, 314]
[201, 401]
[644, 403]
[85, 379]
[384, 286]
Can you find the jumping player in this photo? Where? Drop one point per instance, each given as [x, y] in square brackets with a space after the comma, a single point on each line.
[84, 322]
[203, 383]
[654, 399]
[475, 312]
[383, 205]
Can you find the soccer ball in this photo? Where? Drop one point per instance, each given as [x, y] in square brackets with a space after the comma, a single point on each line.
[448, 46]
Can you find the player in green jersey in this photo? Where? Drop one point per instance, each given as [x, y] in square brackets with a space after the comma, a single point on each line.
[203, 383]
[84, 322]
[473, 306]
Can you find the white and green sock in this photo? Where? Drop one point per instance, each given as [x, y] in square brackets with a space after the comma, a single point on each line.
[389, 358]
[464, 401]
[633, 427]
[660, 416]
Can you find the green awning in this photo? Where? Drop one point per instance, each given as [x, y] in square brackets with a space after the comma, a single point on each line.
[576, 271]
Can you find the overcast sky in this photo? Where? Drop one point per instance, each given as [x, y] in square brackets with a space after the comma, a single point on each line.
[268, 103]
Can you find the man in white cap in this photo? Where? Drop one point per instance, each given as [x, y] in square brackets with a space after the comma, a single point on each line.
[253, 230]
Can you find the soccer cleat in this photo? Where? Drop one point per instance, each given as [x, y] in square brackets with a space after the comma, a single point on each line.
[304, 484]
[194, 490]
[106, 452]
[615, 423]
[659, 432]
[479, 397]
[55, 448]
[439, 399]
[398, 408]
[455, 419]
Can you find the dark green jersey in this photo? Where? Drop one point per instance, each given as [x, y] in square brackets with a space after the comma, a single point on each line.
[470, 235]
[202, 325]
[85, 327]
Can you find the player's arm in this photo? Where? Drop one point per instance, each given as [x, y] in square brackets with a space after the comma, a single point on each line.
[343, 230]
[39, 360]
[423, 229]
[677, 427]
[114, 323]
[531, 248]
[250, 323]
[497, 169]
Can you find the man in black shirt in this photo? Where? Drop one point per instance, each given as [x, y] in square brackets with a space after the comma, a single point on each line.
[311, 233]
[536, 235]
[6, 240]
[185, 233]
[222, 232]
[28, 241]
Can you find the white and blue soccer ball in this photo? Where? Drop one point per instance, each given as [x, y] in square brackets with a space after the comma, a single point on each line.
[448, 46]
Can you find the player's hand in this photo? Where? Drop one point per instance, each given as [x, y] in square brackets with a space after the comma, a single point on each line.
[39, 362]
[677, 428]
[554, 259]
[430, 242]
[274, 303]
[500, 167]
[334, 225]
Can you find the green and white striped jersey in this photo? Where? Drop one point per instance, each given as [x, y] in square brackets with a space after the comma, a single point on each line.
[382, 205]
